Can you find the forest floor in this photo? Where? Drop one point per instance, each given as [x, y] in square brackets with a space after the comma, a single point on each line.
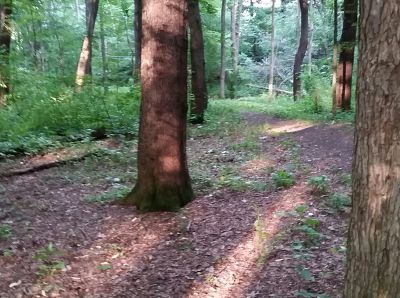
[245, 234]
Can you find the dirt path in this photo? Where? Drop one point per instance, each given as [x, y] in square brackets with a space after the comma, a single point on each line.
[241, 237]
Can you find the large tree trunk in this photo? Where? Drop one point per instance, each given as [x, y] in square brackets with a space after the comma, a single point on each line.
[346, 56]
[138, 37]
[199, 87]
[85, 60]
[334, 58]
[301, 50]
[222, 69]
[272, 59]
[373, 267]
[163, 178]
[5, 42]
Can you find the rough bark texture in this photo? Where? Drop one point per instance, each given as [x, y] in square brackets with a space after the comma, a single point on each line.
[199, 87]
[334, 58]
[138, 37]
[346, 56]
[163, 178]
[272, 60]
[373, 267]
[5, 41]
[222, 70]
[85, 60]
[301, 50]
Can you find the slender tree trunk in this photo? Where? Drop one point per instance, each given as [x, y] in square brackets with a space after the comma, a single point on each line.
[85, 60]
[103, 51]
[138, 37]
[5, 42]
[222, 70]
[373, 267]
[163, 178]
[310, 41]
[236, 13]
[198, 75]
[346, 55]
[301, 50]
[272, 60]
[334, 59]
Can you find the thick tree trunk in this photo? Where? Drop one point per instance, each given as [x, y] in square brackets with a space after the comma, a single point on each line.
[222, 69]
[334, 58]
[85, 60]
[163, 178]
[373, 267]
[301, 50]
[5, 42]
[138, 37]
[272, 60]
[199, 87]
[346, 56]
[103, 45]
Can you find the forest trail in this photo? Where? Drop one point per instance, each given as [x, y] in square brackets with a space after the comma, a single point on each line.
[243, 236]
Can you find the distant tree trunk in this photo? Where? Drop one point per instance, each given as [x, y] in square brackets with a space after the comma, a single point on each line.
[103, 51]
[346, 56]
[163, 178]
[5, 42]
[85, 60]
[373, 267]
[199, 86]
[138, 37]
[310, 42]
[272, 60]
[334, 59]
[222, 70]
[301, 50]
[236, 13]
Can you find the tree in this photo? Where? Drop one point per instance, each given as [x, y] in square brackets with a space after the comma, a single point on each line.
[301, 50]
[138, 37]
[236, 12]
[199, 87]
[373, 267]
[163, 179]
[346, 56]
[272, 60]
[85, 59]
[5, 42]
[222, 68]
[103, 45]
[334, 58]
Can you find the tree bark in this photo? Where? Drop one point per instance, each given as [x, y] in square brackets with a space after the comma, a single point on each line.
[373, 267]
[85, 60]
[334, 58]
[346, 56]
[138, 38]
[236, 12]
[222, 70]
[272, 60]
[103, 45]
[301, 50]
[199, 87]
[5, 42]
[163, 178]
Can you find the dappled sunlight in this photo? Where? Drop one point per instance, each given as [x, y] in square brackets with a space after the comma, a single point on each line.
[231, 275]
[289, 126]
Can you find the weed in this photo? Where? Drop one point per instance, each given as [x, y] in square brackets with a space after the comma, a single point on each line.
[319, 184]
[5, 231]
[282, 178]
[311, 222]
[116, 193]
[312, 236]
[345, 179]
[301, 209]
[48, 265]
[339, 201]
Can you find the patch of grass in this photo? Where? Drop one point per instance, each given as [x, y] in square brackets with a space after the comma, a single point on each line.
[345, 179]
[248, 145]
[319, 184]
[301, 209]
[312, 237]
[5, 231]
[339, 201]
[116, 193]
[282, 178]
[47, 262]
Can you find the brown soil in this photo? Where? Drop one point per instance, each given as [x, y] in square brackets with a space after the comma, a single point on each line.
[228, 242]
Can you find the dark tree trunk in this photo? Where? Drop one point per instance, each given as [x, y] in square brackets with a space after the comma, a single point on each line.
[222, 67]
[163, 178]
[5, 42]
[301, 50]
[334, 58]
[138, 37]
[373, 266]
[85, 60]
[346, 56]
[199, 86]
